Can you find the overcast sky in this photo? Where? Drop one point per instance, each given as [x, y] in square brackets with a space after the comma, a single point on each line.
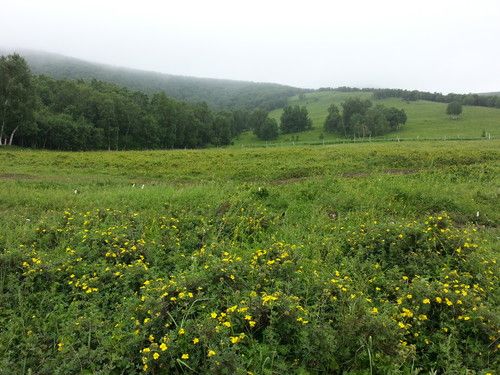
[439, 45]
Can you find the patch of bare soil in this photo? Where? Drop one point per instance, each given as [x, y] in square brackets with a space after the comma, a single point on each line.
[287, 181]
[16, 176]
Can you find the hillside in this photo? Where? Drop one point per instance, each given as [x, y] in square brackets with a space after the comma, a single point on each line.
[425, 119]
[218, 93]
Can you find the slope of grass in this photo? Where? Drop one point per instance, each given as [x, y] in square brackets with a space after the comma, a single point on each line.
[425, 119]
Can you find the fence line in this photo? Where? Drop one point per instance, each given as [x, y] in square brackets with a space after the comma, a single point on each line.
[361, 140]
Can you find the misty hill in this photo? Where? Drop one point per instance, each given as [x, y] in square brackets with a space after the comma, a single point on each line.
[219, 93]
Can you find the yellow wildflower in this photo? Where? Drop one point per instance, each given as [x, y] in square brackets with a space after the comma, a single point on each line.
[235, 339]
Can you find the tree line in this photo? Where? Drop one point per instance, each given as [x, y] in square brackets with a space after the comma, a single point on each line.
[464, 99]
[42, 112]
[413, 95]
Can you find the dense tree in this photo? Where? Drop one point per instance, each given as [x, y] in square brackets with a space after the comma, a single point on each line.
[17, 99]
[269, 130]
[395, 117]
[333, 122]
[454, 109]
[80, 115]
[263, 127]
[295, 119]
[241, 121]
[375, 121]
[360, 119]
[62, 132]
[257, 120]
[351, 107]
[222, 129]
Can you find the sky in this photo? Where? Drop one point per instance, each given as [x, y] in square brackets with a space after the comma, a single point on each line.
[439, 45]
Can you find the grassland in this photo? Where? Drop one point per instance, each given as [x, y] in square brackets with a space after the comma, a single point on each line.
[425, 119]
[373, 258]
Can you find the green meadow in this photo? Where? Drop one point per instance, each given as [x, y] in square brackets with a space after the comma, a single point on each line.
[351, 258]
[425, 119]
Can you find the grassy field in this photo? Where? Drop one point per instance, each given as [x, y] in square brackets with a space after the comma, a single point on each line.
[425, 119]
[362, 259]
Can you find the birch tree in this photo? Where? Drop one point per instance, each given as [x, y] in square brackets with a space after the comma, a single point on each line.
[17, 98]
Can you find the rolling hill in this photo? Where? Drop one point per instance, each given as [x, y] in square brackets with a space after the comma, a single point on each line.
[218, 93]
[425, 119]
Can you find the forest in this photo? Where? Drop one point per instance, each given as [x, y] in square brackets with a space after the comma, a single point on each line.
[42, 112]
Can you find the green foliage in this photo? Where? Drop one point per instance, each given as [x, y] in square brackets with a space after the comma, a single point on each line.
[295, 119]
[17, 99]
[454, 109]
[103, 272]
[361, 119]
[78, 115]
[269, 130]
[333, 122]
[264, 128]
[395, 117]
[257, 119]
[354, 107]
[483, 100]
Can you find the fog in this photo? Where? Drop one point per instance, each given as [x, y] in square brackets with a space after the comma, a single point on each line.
[446, 46]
